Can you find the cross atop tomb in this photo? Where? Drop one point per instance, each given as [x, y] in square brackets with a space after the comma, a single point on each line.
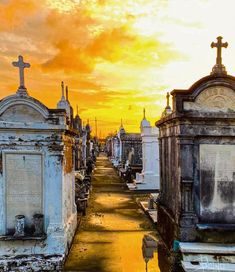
[21, 65]
[219, 67]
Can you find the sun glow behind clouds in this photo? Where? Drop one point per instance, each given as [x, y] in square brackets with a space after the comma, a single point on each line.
[116, 56]
[63, 5]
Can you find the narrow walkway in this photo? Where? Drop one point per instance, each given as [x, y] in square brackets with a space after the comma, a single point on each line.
[109, 238]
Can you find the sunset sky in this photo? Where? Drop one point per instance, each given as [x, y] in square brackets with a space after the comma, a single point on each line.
[116, 56]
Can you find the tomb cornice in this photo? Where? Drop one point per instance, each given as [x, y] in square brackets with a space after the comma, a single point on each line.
[185, 117]
[208, 131]
[32, 127]
[185, 129]
[185, 139]
[173, 117]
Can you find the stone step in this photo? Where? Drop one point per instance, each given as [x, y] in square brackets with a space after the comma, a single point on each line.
[211, 258]
[207, 257]
[207, 267]
[131, 186]
[207, 248]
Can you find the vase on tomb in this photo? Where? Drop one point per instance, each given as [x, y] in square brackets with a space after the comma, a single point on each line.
[19, 226]
[38, 220]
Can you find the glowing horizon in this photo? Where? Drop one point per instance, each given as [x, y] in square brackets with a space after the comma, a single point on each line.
[117, 57]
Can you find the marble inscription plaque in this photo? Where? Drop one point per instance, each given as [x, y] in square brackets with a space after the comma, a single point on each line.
[213, 99]
[217, 179]
[23, 186]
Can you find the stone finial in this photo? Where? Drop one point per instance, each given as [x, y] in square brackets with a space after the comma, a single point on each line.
[167, 108]
[219, 68]
[63, 103]
[144, 122]
[168, 101]
[21, 65]
[88, 128]
[67, 93]
[121, 129]
[77, 109]
[62, 90]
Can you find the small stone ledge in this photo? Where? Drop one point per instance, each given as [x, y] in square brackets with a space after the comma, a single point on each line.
[216, 227]
[32, 263]
[23, 238]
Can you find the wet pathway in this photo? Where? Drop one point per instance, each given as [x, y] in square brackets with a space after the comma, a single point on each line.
[109, 238]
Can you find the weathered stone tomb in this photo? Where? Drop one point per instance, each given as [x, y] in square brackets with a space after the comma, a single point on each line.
[197, 162]
[37, 200]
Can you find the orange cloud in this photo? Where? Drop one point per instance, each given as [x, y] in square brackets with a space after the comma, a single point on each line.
[69, 58]
[12, 13]
[110, 44]
[93, 47]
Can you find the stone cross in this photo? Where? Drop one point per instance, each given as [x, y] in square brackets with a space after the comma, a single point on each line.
[219, 46]
[21, 65]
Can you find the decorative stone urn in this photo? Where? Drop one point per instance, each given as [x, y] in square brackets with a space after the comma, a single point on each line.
[19, 225]
[38, 220]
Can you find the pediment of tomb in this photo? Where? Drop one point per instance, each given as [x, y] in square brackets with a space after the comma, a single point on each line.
[23, 109]
[213, 99]
[212, 94]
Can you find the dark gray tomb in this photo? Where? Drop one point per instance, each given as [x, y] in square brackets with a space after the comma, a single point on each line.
[197, 161]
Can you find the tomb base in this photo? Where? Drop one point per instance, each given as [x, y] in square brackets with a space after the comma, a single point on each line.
[115, 162]
[49, 251]
[26, 263]
[207, 257]
[145, 181]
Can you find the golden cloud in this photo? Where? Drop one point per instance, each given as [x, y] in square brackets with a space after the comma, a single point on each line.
[91, 45]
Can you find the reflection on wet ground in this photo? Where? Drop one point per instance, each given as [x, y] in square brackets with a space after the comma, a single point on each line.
[115, 236]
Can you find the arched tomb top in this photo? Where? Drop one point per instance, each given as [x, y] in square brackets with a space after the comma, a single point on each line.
[17, 108]
[213, 99]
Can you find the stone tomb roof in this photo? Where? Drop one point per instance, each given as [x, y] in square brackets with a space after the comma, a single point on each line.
[24, 111]
[212, 96]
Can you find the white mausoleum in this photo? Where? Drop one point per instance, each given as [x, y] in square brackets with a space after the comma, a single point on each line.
[36, 178]
[149, 178]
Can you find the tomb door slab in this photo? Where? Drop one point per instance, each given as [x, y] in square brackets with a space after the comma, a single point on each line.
[217, 183]
[23, 175]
